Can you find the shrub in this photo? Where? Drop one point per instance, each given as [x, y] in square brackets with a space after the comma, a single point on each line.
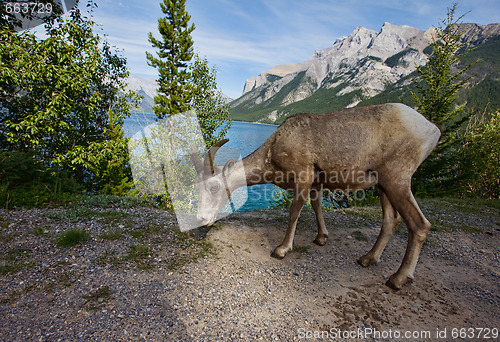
[26, 182]
[480, 159]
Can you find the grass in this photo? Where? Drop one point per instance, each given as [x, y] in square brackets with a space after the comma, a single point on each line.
[445, 214]
[372, 214]
[96, 299]
[72, 237]
[188, 250]
[465, 214]
[358, 235]
[41, 231]
[6, 237]
[138, 233]
[73, 214]
[301, 249]
[15, 260]
[112, 201]
[108, 258]
[138, 252]
[111, 235]
[78, 213]
[141, 254]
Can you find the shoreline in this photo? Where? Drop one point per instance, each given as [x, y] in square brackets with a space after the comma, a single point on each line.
[249, 122]
[255, 123]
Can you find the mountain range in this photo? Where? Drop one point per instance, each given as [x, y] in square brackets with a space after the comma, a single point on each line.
[366, 65]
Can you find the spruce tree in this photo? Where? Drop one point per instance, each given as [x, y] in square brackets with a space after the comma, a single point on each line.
[175, 51]
[440, 82]
[435, 98]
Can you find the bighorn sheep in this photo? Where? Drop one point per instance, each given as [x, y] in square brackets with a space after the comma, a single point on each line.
[350, 149]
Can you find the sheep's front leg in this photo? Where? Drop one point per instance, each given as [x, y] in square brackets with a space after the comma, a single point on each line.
[300, 197]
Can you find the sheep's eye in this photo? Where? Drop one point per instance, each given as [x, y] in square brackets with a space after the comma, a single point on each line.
[214, 188]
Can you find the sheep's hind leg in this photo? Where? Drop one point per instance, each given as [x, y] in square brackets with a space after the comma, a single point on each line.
[316, 197]
[418, 228]
[390, 221]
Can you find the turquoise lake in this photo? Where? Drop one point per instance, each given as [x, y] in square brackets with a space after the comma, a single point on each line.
[244, 137]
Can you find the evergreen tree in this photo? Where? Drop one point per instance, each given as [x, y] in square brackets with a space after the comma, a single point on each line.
[436, 93]
[208, 102]
[175, 51]
[435, 98]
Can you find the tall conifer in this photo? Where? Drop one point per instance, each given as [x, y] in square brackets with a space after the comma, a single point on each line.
[436, 93]
[175, 51]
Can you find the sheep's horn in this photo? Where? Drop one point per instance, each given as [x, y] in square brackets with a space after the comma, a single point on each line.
[209, 159]
[195, 158]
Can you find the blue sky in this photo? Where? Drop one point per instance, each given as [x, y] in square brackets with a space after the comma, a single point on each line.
[243, 38]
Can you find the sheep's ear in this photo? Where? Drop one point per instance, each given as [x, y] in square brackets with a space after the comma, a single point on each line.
[228, 167]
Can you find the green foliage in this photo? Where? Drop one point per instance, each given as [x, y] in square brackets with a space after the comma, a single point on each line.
[208, 102]
[97, 299]
[138, 252]
[72, 237]
[74, 214]
[62, 98]
[105, 162]
[301, 249]
[189, 250]
[436, 93]
[175, 52]
[479, 159]
[281, 199]
[26, 182]
[435, 98]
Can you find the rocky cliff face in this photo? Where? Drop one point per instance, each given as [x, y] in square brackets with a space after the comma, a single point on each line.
[353, 68]
[347, 53]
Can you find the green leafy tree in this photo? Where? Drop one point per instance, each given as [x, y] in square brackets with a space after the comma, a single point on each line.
[57, 95]
[175, 51]
[208, 102]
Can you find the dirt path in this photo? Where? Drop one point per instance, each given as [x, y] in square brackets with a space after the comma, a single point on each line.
[97, 290]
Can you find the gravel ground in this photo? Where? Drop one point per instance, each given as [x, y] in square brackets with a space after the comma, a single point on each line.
[136, 277]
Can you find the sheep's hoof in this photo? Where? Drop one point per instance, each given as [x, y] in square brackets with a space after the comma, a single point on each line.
[396, 282]
[321, 240]
[279, 252]
[367, 260]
